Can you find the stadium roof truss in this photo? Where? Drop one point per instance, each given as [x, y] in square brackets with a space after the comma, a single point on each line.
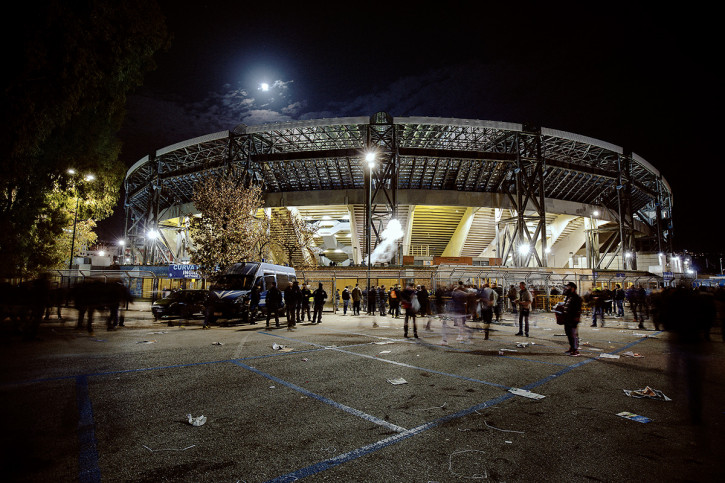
[526, 172]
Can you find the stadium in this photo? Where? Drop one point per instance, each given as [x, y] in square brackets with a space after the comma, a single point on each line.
[477, 193]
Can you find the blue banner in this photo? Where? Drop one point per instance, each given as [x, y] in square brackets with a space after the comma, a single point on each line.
[183, 271]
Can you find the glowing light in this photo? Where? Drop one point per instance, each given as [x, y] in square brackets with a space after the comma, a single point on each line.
[153, 234]
[264, 86]
[595, 213]
[370, 158]
[524, 249]
[101, 253]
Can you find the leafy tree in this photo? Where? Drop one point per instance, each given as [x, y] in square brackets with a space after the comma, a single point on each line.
[64, 96]
[229, 230]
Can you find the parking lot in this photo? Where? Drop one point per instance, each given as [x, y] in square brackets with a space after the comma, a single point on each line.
[347, 401]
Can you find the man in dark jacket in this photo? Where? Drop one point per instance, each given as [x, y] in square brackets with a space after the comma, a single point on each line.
[571, 313]
[318, 297]
[304, 305]
[274, 300]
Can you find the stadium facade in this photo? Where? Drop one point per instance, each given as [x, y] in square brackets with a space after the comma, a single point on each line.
[489, 193]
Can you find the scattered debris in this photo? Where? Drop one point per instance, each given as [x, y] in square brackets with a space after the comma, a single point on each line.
[504, 430]
[146, 342]
[647, 392]
[509, 350]
[397, 381]
[384, 352]
[385, 342]
[168, 449]
[304, 359]
[281, 348]
[216, 343]
[161, 332]
[525, 393]
[631, 354]
[509, 442]
[196, 421]
[524, 344]
[634, 417]
[608, 356]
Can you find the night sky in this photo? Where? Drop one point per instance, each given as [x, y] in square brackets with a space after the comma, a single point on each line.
[638, 78]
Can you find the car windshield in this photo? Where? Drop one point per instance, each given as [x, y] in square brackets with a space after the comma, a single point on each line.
[173, 296]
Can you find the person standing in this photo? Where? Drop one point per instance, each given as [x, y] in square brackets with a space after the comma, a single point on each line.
[273, 301]
[290, 303]
[345, 300]
[524, 303]
[619, 301]
[571, 312]
[394, 299]
[411, 305]
[512, 298]
[318, 299]
[254, 298]
[382, 298]
[304, 305]
[356, 297]
[498, 307]
[372, 293]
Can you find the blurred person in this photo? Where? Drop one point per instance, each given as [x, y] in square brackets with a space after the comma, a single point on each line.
[597, 303]
[372, 300]
[394, 301]
[459, 297]
[498, 308]
[512, 296]
[291, 299]
[254, 297]
[487, 297]
[618, 297]
[382, 297]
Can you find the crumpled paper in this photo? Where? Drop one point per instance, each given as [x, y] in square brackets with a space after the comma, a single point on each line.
[196, 421]
[647, 392]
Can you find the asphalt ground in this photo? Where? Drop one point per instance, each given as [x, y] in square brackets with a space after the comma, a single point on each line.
[114, 406]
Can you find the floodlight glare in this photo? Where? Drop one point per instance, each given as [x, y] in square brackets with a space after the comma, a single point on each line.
[524, 249]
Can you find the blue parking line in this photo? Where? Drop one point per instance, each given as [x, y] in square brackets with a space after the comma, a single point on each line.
[89, 471]
[383, 443]
[373, 447]
[347, 409]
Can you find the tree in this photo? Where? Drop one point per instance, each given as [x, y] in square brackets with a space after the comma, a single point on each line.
[229, 230]
[64, 96]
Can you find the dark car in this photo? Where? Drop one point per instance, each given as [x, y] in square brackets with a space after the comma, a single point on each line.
[183, 303]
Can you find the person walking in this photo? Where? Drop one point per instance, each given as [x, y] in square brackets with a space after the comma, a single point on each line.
[394, 300]
[382, 298]
[411, 305]
[273, 301]
[345, 300]
[498, 307]
[488, 301]
[524, 303]
[571, 310]
[356, 298]
[318, 299]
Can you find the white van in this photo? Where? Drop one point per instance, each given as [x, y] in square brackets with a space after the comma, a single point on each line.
[231, 291]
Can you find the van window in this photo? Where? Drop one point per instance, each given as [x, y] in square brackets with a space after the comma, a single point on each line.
[282, 281]
[268, 279]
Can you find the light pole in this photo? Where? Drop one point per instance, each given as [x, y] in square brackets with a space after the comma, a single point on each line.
[88, 177]
[370, 158]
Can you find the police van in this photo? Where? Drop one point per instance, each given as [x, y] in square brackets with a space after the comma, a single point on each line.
[231, 292]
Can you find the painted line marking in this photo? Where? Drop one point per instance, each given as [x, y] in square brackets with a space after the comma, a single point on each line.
[89, 471]
[348, 409]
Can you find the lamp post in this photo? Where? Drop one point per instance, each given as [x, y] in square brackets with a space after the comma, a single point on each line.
[88, 177]
[370, 158]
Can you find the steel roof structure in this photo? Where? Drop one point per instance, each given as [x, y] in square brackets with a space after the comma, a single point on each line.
[520, 176]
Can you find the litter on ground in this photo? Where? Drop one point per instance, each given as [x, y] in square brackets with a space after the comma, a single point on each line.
[397, 381]
[168, 449]
[634, 417]
[647, 392]
[216, 343]
[525, 393]
[631, 354]
[146, 342]
[196, 421]
[608, 356]
[384, 352]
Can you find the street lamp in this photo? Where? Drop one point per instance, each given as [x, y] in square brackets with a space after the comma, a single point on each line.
[88, 177]
[370, 158]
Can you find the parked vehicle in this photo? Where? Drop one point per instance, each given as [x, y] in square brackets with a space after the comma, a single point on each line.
[184, 303]
[232, 290]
